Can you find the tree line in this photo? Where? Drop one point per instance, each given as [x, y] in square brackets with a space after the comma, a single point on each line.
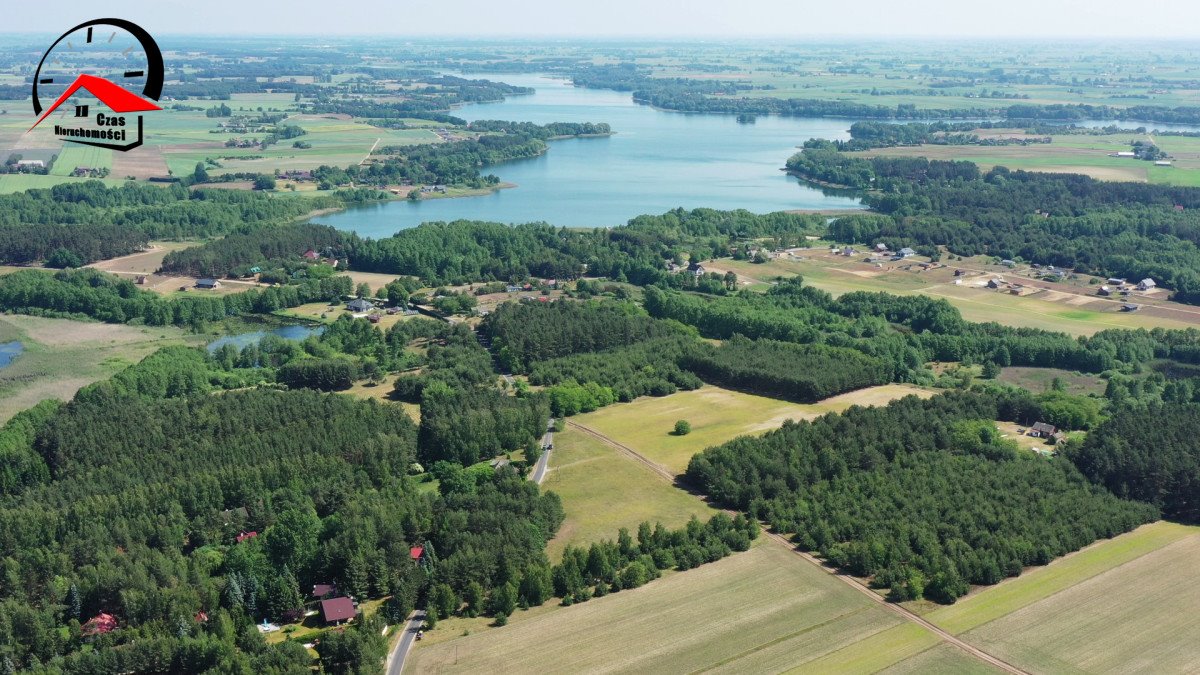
[88, 293]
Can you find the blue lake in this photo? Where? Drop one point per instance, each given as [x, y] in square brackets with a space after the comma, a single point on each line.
[242, 340]
[10, 351]
[655, 162]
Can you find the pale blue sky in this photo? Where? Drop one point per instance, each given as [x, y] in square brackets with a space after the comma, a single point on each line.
[1153, 19]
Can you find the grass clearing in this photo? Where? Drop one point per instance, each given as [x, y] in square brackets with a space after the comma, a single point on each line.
[728, 616]
[716, 415]
[1135, 617]
[61, 356]
[145, 262]
[1040, 379]
[994, 602]
[604, 490]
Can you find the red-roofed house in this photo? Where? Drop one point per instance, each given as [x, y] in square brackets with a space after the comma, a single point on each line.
[416, 552]
[100, 624]
[246, 535]
[311, 254]
[322, 591]
[201, 617]
[337, 610]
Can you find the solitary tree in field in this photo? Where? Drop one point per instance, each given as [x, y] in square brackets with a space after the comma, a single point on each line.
[682, 428]
[990, 370]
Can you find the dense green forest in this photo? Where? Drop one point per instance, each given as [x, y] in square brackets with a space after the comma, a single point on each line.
[132, 501]
[521, 334]
[1121, 229]
[267, 248]
[465, 251]
[925, 497]
[803, 373]
[1149, 454]
[93, 222]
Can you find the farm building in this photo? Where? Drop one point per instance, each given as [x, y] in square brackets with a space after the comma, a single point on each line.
[1146, 284]
[995, 283]
[1129, 308]
[208, 284]
[360, 305]
[1104, 290]
[1008, 263]
[1115, 281]
[696, 269]
[1042, 430]
[337, 610]
[906, 252]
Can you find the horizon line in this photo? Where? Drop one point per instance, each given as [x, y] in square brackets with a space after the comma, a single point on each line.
[637, 37]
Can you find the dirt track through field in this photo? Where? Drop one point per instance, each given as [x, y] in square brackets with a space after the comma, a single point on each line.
[665, 474]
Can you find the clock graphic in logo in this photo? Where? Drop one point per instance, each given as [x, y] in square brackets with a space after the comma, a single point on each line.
[113, 60]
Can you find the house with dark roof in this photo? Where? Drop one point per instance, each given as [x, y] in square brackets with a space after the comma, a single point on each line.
[337, 610]
[360, 305]
[323, 591]
[208, 284]
[1042, 430]
[696, 269]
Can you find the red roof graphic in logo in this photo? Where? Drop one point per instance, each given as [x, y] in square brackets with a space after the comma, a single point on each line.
[111, 95]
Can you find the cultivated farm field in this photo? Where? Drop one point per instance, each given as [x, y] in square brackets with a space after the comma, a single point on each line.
[1136, 617]
[765, 610]
[1062, 617]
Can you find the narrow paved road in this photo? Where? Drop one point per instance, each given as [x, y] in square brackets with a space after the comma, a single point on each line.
[395, 660]
[543, 463]
[665, 474]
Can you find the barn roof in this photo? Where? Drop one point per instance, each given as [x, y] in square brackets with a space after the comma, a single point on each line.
[337, 609]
